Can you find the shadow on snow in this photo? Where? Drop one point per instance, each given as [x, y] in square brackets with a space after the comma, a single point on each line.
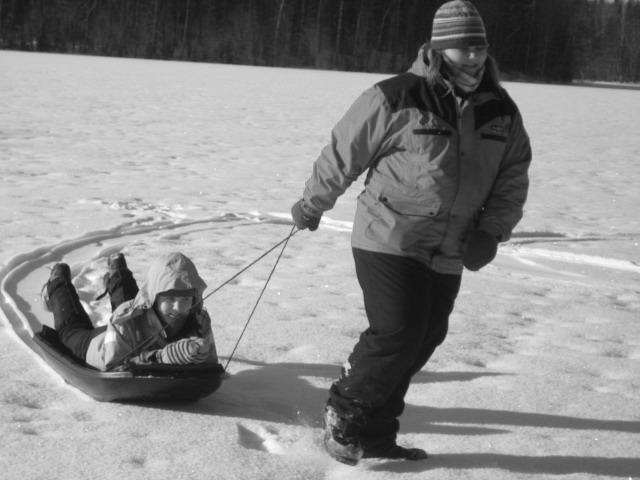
[295, 393]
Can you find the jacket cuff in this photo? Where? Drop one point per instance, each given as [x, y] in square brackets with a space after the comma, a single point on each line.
[309, 209]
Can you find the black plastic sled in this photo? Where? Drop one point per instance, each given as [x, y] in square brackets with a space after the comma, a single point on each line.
[140, 383]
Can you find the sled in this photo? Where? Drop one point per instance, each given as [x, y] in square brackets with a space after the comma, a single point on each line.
[138, 383]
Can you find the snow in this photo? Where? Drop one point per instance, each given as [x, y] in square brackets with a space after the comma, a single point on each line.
[538, 378]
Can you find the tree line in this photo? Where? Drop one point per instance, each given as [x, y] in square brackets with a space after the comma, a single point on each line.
[547, 40]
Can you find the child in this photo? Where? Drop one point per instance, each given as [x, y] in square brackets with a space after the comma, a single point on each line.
[163, 322]
[446, 158]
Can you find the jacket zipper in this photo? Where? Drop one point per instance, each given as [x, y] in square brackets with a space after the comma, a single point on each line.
[456, 101]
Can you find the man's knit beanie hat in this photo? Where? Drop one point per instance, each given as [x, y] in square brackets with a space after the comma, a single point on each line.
[457, 24]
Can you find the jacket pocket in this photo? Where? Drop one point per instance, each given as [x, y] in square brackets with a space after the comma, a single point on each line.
[411, 207]
[432, 140]
[432, 131]
[399, 199]
[496, 138]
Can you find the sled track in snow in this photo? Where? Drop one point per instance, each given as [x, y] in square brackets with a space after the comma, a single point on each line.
[526, 248]
[17, 311]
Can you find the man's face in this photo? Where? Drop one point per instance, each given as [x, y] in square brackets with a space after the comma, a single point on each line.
[469, 59]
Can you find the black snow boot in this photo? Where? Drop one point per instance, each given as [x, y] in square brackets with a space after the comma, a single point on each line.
[340, 438]
[118, 281]
[394, 451]
[60, 274]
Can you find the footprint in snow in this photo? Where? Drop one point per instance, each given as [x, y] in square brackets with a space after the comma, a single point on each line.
[259, 438]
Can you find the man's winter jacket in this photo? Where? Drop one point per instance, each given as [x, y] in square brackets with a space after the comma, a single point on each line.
[438, 166]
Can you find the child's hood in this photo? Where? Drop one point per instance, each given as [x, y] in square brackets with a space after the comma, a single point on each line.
[171, 271]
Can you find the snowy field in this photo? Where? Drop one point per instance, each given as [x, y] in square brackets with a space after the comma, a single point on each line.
[538, 379]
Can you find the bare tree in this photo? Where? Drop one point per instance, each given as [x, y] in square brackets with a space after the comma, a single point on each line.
[277, 31]
[392, 4]
[339, 28]
[185, 29]
[356, 35]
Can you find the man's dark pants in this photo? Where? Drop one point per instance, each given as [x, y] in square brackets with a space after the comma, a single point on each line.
[408, 307]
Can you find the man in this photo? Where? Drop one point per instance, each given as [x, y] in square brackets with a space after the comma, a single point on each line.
[446, 158]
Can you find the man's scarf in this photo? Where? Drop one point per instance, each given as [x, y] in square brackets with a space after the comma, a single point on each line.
[465, 78]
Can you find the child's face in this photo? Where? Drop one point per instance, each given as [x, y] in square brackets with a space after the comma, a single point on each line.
[173, 310]
[471, 58]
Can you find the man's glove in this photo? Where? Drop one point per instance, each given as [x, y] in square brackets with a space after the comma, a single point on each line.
[481, 249]
[303, 218]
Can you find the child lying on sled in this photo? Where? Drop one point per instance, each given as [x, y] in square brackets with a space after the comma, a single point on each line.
[162, 322]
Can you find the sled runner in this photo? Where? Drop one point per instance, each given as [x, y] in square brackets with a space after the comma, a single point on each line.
[136, 384]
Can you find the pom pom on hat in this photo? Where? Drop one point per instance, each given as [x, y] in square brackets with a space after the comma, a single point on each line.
[457, 24]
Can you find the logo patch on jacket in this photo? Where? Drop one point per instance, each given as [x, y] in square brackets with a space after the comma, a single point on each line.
[498, 130]
[495, 132]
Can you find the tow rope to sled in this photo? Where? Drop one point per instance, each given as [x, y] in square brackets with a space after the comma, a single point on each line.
[282, 242]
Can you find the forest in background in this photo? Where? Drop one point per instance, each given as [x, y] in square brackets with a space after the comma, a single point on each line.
[543, 40]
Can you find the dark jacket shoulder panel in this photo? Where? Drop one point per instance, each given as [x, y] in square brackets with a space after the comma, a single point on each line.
[409, 90]
[500, 106]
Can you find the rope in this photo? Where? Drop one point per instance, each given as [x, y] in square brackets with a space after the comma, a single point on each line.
[255, 306]
[226, 282]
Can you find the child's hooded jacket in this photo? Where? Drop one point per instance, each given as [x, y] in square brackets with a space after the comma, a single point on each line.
[134, 329]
